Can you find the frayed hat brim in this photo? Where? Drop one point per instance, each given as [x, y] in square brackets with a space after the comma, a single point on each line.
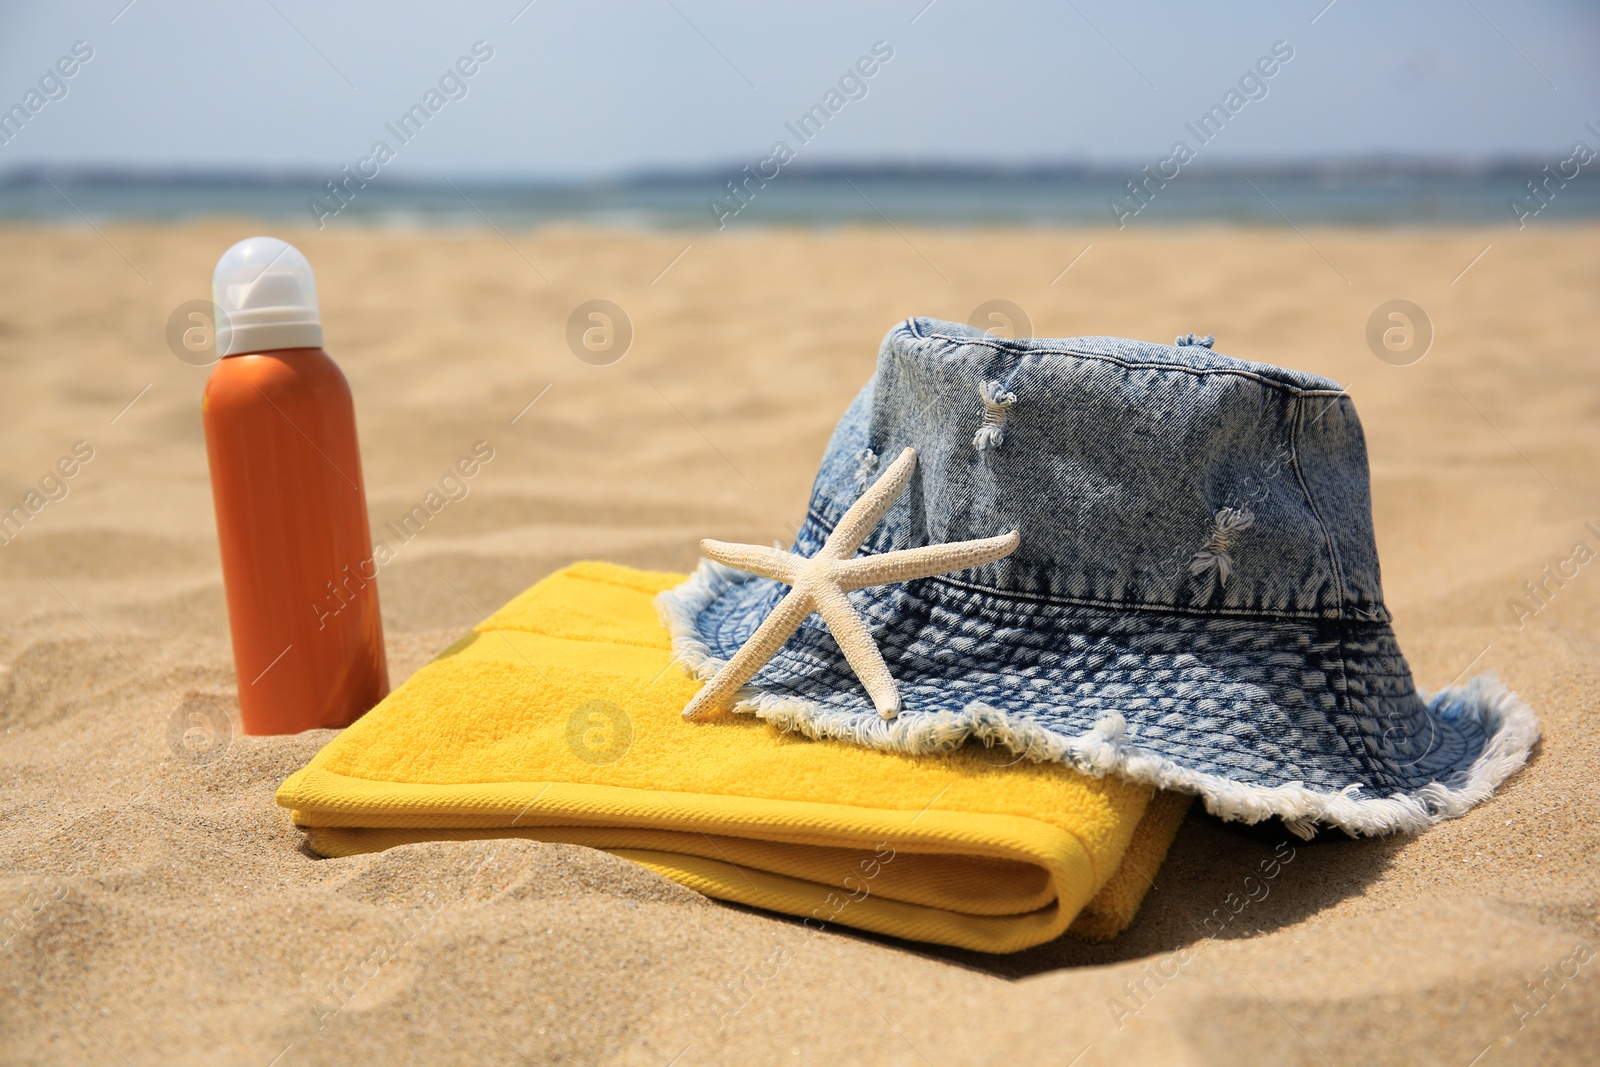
[1507, 724]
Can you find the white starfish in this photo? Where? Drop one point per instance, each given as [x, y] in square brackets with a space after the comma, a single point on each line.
[820, 583]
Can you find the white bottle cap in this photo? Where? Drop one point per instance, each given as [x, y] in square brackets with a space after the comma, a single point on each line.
[267, 298]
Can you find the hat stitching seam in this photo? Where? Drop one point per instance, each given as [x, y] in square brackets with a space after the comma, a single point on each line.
[1342, 691]
[1294, 390]
[1324, 614]
[1138, 606]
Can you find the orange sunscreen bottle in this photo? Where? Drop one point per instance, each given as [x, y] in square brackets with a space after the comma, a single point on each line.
[291, 508]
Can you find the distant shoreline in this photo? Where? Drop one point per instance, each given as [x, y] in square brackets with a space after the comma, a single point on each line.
[1371, 192]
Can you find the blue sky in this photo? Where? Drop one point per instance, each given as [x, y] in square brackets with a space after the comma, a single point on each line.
[594, 89]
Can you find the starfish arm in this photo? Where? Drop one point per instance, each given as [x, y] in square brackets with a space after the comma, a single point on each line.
[764, 560]
[784, 620]
[860, 650]
[908, 563]
[865, 514]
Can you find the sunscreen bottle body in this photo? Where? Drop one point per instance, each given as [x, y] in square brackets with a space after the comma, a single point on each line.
[296, 547]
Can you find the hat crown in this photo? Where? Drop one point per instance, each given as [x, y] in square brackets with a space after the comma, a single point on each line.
[1139, 475]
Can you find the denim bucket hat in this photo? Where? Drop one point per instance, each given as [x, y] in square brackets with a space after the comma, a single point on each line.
[1194, 604]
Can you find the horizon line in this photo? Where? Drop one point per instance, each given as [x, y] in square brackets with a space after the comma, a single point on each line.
[1343, 166]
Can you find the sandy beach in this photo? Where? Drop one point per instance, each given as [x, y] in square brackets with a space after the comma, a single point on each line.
[160, 908]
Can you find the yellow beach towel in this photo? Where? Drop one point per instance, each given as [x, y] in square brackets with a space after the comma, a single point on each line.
[557, 719]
